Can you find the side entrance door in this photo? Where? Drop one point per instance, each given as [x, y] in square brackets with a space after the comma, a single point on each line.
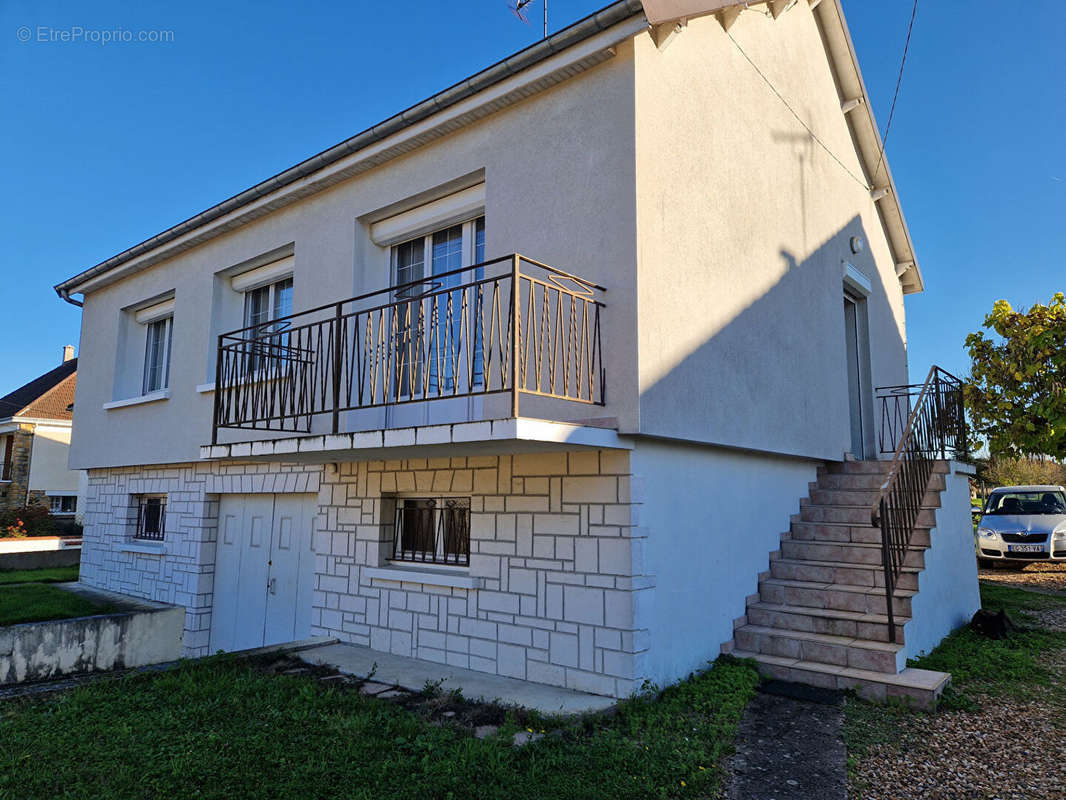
[264, 570]
[857, 351]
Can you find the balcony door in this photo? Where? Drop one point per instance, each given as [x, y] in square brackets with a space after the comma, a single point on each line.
[437, 342]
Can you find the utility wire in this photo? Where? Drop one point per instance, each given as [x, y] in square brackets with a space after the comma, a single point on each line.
[895, 95]
[799, 119]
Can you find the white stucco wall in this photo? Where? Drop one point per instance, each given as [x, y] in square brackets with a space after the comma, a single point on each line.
[48, 460]
[712, 517]
[948, 592]
[743, 224]
[673, 176]
[558, 171]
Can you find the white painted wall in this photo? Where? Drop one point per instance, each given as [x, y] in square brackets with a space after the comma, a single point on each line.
[948, 592]
[48, 460]
[674, 177]
[558, 172]
[743, 225]
[713, 516]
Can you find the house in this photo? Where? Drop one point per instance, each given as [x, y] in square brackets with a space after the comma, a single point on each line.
[35, 428]
[566, 373]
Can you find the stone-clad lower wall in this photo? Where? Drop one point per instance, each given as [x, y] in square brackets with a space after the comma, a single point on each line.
[554, 545]
[553, 541]
[13, 493]
[182, 571]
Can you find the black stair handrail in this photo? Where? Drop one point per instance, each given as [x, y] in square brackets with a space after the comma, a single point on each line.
[936, 428]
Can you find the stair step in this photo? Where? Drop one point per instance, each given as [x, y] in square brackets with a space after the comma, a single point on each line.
[869, 467]
[861, 497]
[872, 467]
[854, 515]
[920, 688]
[842, 532]
[852, 624]
[823, 648]
[835, 572]
[845, 552]
[812, 594]
[850, 480]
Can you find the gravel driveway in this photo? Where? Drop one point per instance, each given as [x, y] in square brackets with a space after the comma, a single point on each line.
[1034, 577]
[1007, 749]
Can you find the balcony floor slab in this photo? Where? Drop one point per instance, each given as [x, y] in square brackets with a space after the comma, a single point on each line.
[513, 435]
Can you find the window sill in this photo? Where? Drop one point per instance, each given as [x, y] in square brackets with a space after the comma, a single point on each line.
[430, 577]
[151, 397]
[143, 547]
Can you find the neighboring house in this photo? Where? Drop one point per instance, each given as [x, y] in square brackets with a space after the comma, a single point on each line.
[35, 425]
[351, 458]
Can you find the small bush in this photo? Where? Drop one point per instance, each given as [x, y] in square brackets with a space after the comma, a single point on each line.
[31, 520]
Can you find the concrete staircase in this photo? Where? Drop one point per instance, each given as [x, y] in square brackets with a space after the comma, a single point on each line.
[820, 615]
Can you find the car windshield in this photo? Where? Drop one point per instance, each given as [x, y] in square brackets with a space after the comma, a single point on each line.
[1049, 502]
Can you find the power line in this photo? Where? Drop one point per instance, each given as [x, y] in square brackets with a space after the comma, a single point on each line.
[895, 95]
[799, 119]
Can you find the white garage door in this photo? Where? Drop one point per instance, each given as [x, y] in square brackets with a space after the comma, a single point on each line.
[264, 570]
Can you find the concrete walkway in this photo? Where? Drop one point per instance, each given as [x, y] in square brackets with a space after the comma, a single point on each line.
[413, 673]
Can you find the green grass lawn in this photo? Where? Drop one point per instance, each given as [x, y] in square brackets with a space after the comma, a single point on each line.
[45, 575]
[34, 602]
[222, 729]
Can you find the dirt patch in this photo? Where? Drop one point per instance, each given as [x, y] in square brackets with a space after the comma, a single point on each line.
[1045, 578]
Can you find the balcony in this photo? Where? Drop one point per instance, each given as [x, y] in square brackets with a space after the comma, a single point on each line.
[495, 341]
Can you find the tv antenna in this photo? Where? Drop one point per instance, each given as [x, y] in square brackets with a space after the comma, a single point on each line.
[518, 8]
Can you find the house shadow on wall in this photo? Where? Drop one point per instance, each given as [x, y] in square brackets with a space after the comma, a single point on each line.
[774, 378]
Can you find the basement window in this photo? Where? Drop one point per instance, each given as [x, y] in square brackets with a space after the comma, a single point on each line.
[151, 518]
[433, 530]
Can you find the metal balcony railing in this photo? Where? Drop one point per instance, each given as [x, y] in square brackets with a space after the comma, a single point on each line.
[507, 326]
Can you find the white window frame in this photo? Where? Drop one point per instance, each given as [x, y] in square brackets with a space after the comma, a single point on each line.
[52, 498]
[253, 367]
[167, 324]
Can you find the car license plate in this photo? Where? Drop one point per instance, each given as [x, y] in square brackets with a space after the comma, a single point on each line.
[1025, 548]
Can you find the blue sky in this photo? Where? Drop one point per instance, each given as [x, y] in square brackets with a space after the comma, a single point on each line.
[105, 145]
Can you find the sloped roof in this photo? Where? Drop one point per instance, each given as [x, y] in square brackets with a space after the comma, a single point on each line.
[46, 397]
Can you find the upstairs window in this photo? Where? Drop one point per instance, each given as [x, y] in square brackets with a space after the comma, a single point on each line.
[425, 261]
[158, 322]
[262, 306]
[151, 518]
[157, 355]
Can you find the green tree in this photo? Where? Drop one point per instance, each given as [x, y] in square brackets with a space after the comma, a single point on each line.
[1016, 394]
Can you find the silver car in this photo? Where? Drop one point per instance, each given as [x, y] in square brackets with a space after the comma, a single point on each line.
[1021, 525]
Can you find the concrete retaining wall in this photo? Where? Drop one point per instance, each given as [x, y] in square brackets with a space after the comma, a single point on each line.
[948, 591]
[39, 559]
[40, 650]
[30, 544]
